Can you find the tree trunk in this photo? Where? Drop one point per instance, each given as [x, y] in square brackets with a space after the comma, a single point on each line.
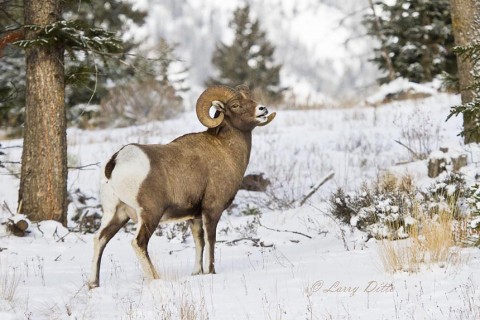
[466, 30]
[383, 41]
[43, 183]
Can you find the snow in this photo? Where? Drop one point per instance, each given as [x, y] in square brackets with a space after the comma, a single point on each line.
[18, 217]
[251, 282]
[409, 220]
[335, 274]
[399, 85]
[474, 223]
[308, 265]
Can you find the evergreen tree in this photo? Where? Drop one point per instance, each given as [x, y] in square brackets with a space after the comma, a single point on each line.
[470, 107]
[249, 59]
[153, 96]
[416, 35]
[466, 28]
[12, 66]
[87, 73]
[45, 37]
[162, 68]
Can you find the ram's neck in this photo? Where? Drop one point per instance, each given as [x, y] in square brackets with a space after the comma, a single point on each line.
[241, 143]
[238, 143]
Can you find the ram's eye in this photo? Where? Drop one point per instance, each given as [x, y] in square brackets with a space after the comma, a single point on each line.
[235, 106]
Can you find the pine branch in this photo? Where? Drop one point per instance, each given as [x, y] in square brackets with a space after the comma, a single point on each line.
[470, 52]
[470, 109]
[74, 35]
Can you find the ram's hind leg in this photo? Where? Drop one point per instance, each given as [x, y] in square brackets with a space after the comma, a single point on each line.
[112, 220]
[210, 222]
[197, 233]
[147, 223]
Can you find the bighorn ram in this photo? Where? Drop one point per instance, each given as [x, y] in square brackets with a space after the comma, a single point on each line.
[195, 177]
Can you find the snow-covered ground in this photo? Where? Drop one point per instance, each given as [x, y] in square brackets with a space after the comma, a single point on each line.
[331, 274]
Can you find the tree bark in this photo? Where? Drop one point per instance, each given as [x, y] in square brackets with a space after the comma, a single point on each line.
[43, 183]
[466, 30]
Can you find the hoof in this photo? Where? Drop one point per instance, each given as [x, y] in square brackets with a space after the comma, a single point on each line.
[197, 272]
[92, 285]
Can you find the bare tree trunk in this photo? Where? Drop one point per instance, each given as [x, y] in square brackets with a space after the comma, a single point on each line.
[383, 41]
[466, 30]
[43, 184]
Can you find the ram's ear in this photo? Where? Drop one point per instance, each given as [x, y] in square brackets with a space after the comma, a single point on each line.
[243, 90]
[218, 105]
[220, 109]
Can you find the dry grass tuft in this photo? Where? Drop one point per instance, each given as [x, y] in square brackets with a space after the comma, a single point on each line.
[190, 310]
[432, 240]
[9, 282]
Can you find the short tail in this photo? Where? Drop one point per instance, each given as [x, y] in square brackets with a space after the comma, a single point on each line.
[111, 165]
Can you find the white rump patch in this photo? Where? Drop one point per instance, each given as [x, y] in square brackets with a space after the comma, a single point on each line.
[131, 168]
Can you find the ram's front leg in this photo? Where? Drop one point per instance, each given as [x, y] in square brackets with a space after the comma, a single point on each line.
[210, 222]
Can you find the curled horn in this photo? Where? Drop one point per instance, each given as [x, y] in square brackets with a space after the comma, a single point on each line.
[204, 102]
[244, 90]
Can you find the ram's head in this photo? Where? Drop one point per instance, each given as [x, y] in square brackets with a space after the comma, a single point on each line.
[234, 106]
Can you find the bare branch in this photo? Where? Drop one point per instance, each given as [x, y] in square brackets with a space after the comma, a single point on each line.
[11, 147]
[85, 166]
[342, 232]
[416, 155]
[278, 230]
[315, 189]
[256, 242]
[7, 208]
